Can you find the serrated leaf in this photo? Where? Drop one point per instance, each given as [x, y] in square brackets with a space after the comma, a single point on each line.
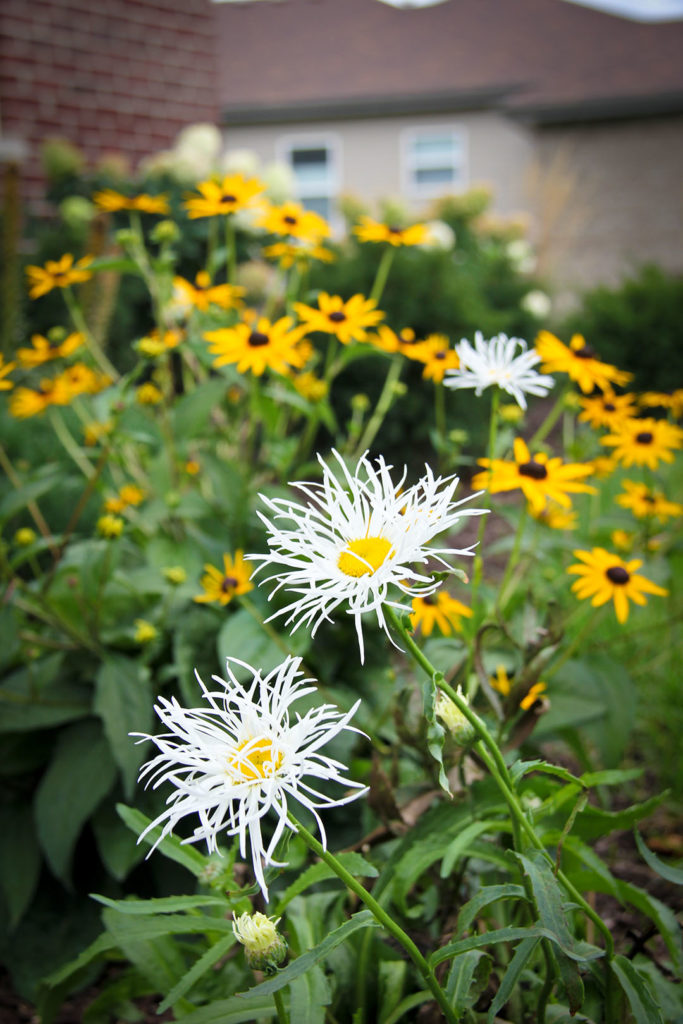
[171, 846]
[487, 895]
[124, 702]
[460, 979]
[80, 774]
[549, 900]
[240, 1009]
[205, 962]
[525, 950]
[521, 768]
[667, 871]
[353, 862]
[643, 1006]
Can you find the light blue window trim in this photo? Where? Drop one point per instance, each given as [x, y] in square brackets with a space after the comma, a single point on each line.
[434, 160]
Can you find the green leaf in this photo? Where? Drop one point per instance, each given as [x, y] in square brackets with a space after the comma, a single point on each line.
[249, 1006]
[487, 895]
[660, 914]
[162, 904]
[124, 702]
[145, 927]
[549, 900]
[115, 843]
[310, 993]
[171, 846]
[191, 413]
[460, 979]
[667, 871]
[319, 872]
[521, 768]
[36, 698]
[15, 501]
[409, 1003]
[525, 950]
[80, 774]
[436, 734]
[205, 962]
[20, 859]
[643, 1006]
[483, 940]
[158, 958]
[462, 841]
[241, 637]
[594, 822]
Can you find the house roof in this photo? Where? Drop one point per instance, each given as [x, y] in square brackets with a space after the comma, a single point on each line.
[547, 60]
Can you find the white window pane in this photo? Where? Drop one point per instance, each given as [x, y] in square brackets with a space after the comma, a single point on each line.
[427, 148]
[321, 205]
[435, 175]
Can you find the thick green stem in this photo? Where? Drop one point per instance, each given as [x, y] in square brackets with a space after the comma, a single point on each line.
[383, 403]
[380, 914]
[478, 567]
[382, 273]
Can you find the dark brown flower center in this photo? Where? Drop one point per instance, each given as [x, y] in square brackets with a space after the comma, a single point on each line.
[649, 498]
[609, 407]
[428, 600]
[394, 229]
[229, 583]
[229, 198]
[585, 353]
[289, 219]
[617, 574]
[337, 317]
[536, 470]
[257, 339]
[439, 355]
[644, 437]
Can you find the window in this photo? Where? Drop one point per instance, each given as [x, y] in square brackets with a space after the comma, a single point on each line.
[314, 161]
[433, 161]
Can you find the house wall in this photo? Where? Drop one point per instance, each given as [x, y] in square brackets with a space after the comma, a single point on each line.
[370, 153]
[606, 198]
[122, 76]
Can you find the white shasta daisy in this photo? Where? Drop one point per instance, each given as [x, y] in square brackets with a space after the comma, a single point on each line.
[240, 756]
[496, 362]
[357, 536]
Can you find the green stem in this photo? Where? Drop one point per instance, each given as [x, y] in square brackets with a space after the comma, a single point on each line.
[490, 752]
[380, 915]
[282, 1015]
[79, 323]
[383, 403]
[70, 445]
[230, 250]
[382, 273]
[440, 416]
[478, 568]
[551, 419]
[513, 559]
[590, 624]
[31, 505]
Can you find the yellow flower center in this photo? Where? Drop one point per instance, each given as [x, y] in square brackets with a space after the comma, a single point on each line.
[363, 557]
[256, 759]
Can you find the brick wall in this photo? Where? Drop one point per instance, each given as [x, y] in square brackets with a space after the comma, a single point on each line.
[122, 76]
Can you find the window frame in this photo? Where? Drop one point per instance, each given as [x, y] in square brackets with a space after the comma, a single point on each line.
[286, 144]
[410, 164]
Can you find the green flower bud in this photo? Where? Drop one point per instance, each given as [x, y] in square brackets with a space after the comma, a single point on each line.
[460, 728]
[165, 232]
[264, 947]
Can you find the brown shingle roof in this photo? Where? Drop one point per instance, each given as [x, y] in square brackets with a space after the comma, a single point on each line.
[530, 55]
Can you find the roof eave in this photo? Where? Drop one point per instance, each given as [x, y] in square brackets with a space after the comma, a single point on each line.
[602, 109]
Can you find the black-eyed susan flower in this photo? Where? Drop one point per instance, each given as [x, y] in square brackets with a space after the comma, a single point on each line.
[61, 273]
[534, 694]
[5, 370]
[26, 402]
[348, 321]
[156, 343]
[80, 379]
[290, 252]
[244, 754]
[644, 442]
[222, 586]
[557, 518]
[370, 230]
[502, 683]
[233, 193]
[290, 219]
[437, 357]
[95, 431]
[110, 526]
[44, 350]
[128, 495]
[540, 478]
[112, 202]
[664, 400]
[258, 345]
[500, 362]
[357, 540]
[604, 410]
[310, 387]
[623, 540]
[404, 341]
[579, 361]
[203, 293]
[606, 577]
[647, 503]
[440, 610]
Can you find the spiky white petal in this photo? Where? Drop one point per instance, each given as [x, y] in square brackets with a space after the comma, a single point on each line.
[495, 362]
[238, 758]
[365, 503]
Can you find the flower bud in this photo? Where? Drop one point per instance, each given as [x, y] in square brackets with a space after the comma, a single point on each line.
[175, 574]
[460, 728]
[264, 947]
[25, 536]
[165, 232]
